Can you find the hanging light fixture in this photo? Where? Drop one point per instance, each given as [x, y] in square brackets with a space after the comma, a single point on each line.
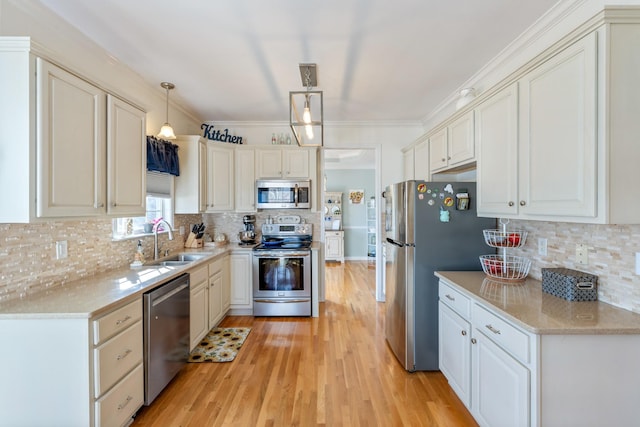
[166, 132]
[310, 118]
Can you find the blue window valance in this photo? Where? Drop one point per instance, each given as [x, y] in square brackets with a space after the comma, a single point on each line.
[162, 156]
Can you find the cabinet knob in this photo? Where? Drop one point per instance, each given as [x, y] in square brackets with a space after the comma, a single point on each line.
[464, 333]
[443, 159]
[511, 203]
[448, 158]
[522, 203]
[99, 205]
[473, 341]
[114, 204]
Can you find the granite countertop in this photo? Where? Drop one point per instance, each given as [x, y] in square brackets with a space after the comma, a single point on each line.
[526, 305]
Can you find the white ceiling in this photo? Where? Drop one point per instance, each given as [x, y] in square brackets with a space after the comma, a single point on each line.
[236, 60]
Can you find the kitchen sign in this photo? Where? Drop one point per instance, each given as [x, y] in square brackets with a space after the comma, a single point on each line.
[217, 135]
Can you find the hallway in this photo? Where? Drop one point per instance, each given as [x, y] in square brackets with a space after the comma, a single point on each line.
[335, 370]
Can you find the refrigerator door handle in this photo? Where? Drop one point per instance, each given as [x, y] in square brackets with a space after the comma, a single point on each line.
[393, 242]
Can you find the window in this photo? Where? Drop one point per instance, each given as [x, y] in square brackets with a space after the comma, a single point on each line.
[159, 205]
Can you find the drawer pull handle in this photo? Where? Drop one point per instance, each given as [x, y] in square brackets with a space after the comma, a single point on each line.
[121, 321]
[123, 355]
[450, 297]
[492, 329]
[473, 341]
[125, 403]
[464, 333]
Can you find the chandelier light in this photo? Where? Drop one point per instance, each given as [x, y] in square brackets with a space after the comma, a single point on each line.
[307, 122]
[166, 132]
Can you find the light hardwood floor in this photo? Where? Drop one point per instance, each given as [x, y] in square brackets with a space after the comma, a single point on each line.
[335, 370]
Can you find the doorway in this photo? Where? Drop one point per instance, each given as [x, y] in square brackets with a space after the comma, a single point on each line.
[355, 172]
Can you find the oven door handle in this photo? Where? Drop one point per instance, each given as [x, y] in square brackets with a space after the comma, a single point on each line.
[279, 301]
[295, 195]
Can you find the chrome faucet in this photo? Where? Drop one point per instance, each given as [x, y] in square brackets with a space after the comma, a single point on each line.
[155, 235]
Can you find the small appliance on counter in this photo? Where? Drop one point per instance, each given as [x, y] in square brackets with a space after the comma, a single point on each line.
[247, 236]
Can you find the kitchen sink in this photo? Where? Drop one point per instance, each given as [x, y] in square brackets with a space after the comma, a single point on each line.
[178, 260]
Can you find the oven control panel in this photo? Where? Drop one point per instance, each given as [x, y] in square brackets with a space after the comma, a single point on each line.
[286, 229]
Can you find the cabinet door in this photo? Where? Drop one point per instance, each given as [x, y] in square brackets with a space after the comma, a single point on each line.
[408, 169]
[226, 285]
[126, 158]
[215, 298]
[461, 141]
[455, 352]
[241, 280]
[245, 180]
[421, 161]
[438, 151]
[70, 144]
[202, 176]
[220, 186]
[497, 136]
[296, 163]
[199, 312]
[500, 385]
[558, 134]
[269, 163]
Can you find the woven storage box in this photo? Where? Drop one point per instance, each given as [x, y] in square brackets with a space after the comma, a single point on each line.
[571, 285]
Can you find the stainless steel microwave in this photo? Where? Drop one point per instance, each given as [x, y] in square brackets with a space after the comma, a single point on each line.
[283, 194]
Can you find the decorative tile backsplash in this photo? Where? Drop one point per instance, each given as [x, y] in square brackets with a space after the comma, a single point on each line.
[28, 264]
[611, 255]
[28, 255]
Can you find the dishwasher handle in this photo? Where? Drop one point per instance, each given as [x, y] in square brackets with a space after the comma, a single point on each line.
[168, 295]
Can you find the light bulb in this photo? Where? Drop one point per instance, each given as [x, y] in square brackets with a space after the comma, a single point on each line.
[306, 115]
[309, 131]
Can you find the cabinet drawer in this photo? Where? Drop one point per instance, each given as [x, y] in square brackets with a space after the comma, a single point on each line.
[502, 333]
[333, 233]
[115, 407]
[215, 266]
[455, 300]
[116, 321]
[116, 357]
[198, 276]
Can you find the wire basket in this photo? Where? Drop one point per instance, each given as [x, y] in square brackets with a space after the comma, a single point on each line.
[504, 238]
[505, 267]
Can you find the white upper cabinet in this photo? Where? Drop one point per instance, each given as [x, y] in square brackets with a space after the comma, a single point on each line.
[126, 159]
[421, 161]
[245, 179]
[408, 172]
[220, 178]
[557, 137]
[191, 185]
[284, 163]
[497, 136]
[454, 145]
[70, 149]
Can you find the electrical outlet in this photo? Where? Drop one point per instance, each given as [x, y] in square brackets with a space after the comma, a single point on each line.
[182, 230]
[61, 249]
[582, 254]
[542, 246]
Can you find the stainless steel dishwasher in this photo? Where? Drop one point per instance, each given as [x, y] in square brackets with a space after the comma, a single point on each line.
[166, 334]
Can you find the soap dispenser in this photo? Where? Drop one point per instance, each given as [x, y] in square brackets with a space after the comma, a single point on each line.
[138, 258]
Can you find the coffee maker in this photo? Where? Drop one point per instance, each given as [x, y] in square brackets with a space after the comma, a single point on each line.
[248, 235]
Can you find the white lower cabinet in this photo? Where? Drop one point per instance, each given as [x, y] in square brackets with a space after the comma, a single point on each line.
[219, 290]
[198, 305]
[477, 352]
[240, 264]
[334, 246]
[500, 385]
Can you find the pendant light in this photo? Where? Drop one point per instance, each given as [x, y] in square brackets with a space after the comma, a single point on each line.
[166, 132]
[307, 123]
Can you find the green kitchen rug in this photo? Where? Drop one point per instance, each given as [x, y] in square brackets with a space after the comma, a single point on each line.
[220, 345]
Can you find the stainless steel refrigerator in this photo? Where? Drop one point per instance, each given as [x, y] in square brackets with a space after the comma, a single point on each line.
[429, 226]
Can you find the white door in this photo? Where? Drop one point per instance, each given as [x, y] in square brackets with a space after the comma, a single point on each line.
[245, 180]
[241, 280]
[71, 149]
[558, 134]
[497, 136]
[220, 181]
[438, 151]
[126, 159]
[269, 163]
[296, 163]
[455, 352]
[461, 140]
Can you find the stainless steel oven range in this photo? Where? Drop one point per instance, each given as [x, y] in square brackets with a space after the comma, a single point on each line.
[282, 269]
